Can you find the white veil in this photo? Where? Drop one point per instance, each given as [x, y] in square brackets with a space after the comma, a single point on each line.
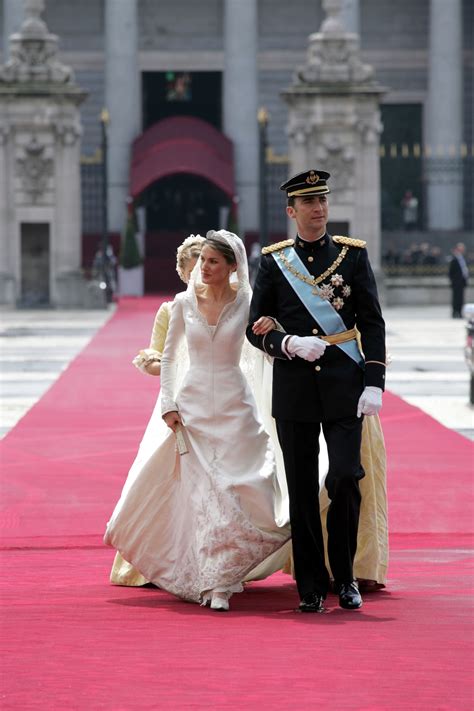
[241, 276]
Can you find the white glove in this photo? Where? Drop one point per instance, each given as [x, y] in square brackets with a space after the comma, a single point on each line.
[306, 347]
[370, 401]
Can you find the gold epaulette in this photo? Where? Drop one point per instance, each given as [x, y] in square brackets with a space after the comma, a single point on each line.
[278, 245]
[349, 242]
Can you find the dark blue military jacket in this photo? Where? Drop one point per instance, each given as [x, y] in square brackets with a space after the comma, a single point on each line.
[330, 387]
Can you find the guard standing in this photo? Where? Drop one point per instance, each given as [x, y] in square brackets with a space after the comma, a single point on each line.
[458, 277]
[320, 289]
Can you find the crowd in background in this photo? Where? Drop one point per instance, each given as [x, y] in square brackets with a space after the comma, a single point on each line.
[419, 254]
[423, 253]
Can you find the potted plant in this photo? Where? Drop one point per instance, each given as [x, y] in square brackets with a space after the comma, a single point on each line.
[131, 261]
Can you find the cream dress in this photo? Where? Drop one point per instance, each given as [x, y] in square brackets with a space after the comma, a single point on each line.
[203, 521]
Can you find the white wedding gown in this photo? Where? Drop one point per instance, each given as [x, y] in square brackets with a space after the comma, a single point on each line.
[205, 520]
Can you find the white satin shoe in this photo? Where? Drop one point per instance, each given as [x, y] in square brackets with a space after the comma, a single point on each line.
[220, 602]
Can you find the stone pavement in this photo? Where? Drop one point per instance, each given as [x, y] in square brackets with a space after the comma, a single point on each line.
[428, 367]
[427, 349]
[35, 347]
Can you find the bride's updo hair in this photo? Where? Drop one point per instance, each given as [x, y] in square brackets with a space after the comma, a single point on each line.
[222, 247]
[190, 249]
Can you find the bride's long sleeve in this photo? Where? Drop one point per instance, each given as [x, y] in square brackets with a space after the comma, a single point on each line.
[170, 355]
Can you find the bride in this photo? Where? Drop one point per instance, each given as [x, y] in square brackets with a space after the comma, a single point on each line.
[201, 522]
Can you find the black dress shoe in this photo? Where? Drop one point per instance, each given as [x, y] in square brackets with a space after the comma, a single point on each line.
[349, 595]
[313, 602]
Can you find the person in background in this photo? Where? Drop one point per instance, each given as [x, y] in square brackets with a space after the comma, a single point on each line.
[410, 210]
[458, 276]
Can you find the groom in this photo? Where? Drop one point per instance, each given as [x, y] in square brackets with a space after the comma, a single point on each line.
[320, 289]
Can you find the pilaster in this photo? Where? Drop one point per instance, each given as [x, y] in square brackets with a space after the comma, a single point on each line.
[123, 102]
[443, 164]
[240, 88]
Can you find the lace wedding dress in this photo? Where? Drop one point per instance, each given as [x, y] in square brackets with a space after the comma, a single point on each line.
[205, 520]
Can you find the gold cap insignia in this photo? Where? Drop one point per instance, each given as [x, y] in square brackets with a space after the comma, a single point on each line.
[312, 178]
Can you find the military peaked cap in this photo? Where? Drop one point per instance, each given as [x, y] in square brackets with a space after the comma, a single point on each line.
[311, 182]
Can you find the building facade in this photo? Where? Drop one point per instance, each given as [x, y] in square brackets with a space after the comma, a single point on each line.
[213, 64]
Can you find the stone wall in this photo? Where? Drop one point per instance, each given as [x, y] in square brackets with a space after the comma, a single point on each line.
[286, 25]
[187, 34]
[186, 28]
[420, 291]
[79, 25]
[400, 26]
[180, 26]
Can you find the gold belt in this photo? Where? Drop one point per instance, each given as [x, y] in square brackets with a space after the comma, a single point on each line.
[341, 337]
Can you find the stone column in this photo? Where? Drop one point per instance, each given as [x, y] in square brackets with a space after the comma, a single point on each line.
[122, 99]
[241, 104]
[350, 16]
[7, 227]
[13, 15]
[67, 253]
[443, 165]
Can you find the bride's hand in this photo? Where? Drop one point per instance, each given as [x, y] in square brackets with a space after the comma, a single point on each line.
[263, 325]
[173, 420]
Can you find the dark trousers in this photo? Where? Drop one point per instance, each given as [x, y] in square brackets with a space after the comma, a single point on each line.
[457, 298]
[300, 445]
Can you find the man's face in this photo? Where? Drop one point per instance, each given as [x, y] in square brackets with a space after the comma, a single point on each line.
[311, 214]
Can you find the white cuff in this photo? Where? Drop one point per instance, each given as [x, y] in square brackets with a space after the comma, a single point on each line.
[284, 348]
[168, 406]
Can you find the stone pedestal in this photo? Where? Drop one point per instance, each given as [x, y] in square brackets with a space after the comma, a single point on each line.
[40, 188]
[334, 125]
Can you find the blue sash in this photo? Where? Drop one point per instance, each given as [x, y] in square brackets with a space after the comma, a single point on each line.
[320, 309]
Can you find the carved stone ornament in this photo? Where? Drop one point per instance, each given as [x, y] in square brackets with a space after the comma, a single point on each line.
[299, 132]
[69, 133]
[334, 54]
[339, 154]
[34, 169]
[33, 52]
[370, 128]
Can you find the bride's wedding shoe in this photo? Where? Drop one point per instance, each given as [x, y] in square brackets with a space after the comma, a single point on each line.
[220, 602]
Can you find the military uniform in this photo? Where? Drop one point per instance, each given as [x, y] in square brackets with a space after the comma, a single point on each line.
[329, 388]
[324, 393]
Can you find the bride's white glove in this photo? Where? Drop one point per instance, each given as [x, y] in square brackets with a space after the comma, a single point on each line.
[307, 347]
[370, 401]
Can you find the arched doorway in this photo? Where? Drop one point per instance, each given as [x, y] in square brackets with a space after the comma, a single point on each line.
[176, 206]
[182, 173]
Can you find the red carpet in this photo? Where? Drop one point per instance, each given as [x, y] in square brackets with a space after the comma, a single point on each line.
[72, 641]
